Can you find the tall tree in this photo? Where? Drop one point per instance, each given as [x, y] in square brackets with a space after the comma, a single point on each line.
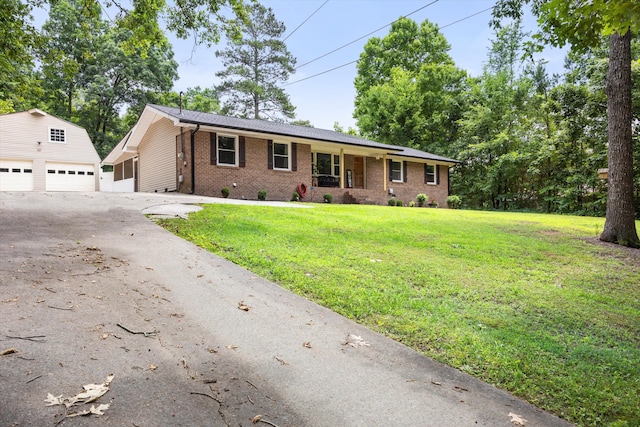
[582, 24]
[408, 88]
[255, 65]
[18, 38]
[90, 74]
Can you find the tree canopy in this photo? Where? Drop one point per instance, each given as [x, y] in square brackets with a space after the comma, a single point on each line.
[256, 63]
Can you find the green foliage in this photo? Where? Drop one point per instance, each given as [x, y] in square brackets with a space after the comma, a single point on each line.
[255, 64]
[299, 122]
[454, 201]
[19, 84]
[528, 302]
[399, 202]
[225, 192]
[421, 198]
[328, 198]
[408, 88]
[262, 195]
[412, 204]
[89, 76]
[295, 197]
[391, 202]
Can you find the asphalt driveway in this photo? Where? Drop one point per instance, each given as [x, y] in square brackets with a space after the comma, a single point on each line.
[90, 287]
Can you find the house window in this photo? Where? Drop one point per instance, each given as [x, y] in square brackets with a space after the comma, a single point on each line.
[430, 174]
[396, 171]
[323, 163]
[227, 149]
[281, 156]
[57, 135]
[336, 165]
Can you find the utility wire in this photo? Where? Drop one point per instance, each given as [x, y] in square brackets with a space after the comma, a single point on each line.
[303, 22]
[353, 62]
[367, 35]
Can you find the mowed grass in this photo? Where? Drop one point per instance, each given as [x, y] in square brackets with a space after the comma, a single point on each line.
[533, 304]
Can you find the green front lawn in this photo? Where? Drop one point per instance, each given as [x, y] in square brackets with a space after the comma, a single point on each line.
[533, 304]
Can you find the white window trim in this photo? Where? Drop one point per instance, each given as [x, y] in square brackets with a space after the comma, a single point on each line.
[435, 178]
[236, 150]
[401, 170]
[273, 156]
[64, 135]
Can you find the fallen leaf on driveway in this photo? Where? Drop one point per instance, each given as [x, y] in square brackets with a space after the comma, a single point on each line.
[91, 411]
[232, 347]
[8, 351]
[153, 367]
[306, 344]
[517, 419]
[243, 306]
[355, 341]
[281, 360]
[90, 394]
[11, 300]
[256, 419]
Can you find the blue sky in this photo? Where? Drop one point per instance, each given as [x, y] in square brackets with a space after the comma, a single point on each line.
[328, 98]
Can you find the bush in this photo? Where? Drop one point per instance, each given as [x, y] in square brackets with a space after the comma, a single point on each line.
[225, 192]
[295, 197]
[328, 198]
[454, 201]
[412, 204]
[399, 203]
[421, 198]
[262, 195]
[391, 202]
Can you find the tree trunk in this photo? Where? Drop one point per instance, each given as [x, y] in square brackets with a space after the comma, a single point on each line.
[620, 226]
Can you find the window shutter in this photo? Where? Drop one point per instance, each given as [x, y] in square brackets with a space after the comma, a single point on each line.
[390, 171]
[269, 153]
[404, 171]
[213, 148]
[437, 174]
[425, 173]
[242, 152]
[294, 156]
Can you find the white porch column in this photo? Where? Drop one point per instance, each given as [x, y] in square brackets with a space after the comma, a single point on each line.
[342, 168]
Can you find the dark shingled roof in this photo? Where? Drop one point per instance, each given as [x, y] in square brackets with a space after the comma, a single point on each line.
[285, 129]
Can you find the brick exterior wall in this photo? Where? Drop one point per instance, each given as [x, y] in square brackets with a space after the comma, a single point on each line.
[280, 185]
[255, 176]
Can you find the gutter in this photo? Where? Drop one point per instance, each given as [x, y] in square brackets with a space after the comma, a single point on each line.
[193, 159]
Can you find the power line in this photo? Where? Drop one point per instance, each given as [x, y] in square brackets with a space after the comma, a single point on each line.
[353, 62]
[367, 35]
[303, 22]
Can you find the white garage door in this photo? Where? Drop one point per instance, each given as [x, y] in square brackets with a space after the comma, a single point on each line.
[70, 177]
[16, 175]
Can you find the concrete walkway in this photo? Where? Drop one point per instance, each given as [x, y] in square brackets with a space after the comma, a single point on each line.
[224, 345]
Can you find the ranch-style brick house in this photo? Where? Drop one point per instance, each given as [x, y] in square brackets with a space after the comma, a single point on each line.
[170, 149]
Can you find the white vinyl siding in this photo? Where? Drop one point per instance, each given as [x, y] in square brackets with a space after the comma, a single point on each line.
[157, 158]
[25, 136]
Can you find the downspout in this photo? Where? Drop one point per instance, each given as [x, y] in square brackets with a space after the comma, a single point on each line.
[193, 159]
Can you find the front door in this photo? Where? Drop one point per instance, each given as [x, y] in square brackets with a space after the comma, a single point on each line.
[358, 172]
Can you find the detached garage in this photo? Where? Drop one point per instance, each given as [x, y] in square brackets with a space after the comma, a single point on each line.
[41, 152]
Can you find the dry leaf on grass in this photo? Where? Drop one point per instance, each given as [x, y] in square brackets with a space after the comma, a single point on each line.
[517, 419]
